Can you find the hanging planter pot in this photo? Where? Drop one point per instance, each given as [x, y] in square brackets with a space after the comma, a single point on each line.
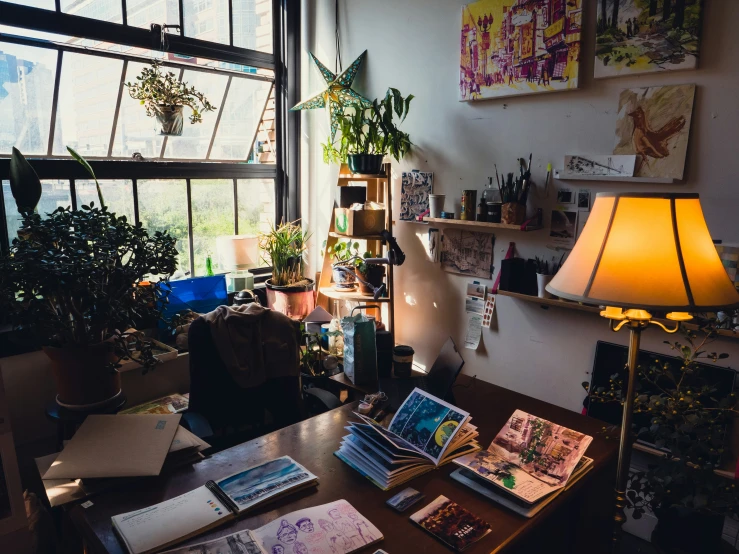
[368, 164]
[170, 119]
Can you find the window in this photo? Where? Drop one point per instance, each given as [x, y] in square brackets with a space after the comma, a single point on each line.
[64, 85]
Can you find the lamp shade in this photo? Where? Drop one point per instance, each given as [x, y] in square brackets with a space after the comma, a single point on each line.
[647, 251]
[238, 251]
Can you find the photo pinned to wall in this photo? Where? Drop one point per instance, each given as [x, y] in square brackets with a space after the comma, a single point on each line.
[563, 228]
[433, 245]
[654, 123]
[511, 47]
[474, 312]
[565, 196]
[615, 166]
[415, 187]
[639, 36]
[583, 200]
[467, 253]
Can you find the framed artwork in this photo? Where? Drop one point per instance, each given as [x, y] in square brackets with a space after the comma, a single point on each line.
[654, 123]
[415, 187]
[467, 253]
[511, 47]
[646, 36]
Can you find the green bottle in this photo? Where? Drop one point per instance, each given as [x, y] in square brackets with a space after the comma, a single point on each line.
[209, 266]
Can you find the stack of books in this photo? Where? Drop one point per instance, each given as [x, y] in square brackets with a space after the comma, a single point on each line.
[528, 464]
[425, 433]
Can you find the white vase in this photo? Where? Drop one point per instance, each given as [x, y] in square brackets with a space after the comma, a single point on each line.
[542, 281]
[436, 205]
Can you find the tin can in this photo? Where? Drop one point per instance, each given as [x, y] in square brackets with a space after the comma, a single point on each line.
[469, 204]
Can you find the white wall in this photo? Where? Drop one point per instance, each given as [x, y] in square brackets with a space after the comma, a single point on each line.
[413, 46]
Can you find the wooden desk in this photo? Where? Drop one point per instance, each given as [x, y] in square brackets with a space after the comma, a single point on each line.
[579, 520]
[369, 388]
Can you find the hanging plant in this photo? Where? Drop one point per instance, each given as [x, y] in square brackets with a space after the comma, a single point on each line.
[164, 96]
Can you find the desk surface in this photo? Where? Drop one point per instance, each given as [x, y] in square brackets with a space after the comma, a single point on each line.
[313, 442]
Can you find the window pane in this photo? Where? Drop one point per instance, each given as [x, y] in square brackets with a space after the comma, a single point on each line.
[207, 20]
[88, 91]
[142, 13]
[135, 132]
[54, 194]
[195, 139]
[253, 24]
[118, 196]
[212, 216]
[45, 4]
[241, 113]
[26, 90]
[256, 205]
[104, 10]
[163, 207]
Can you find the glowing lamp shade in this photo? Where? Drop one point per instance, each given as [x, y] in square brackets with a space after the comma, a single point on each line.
[649, 251]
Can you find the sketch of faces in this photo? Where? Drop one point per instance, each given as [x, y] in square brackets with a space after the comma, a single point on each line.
[325, 525]
[300, 548]
[287, 533]
[334, 514]
[278, 549]
[305, 525]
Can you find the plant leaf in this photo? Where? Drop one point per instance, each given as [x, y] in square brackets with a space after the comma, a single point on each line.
[24, 183]
[87, 167]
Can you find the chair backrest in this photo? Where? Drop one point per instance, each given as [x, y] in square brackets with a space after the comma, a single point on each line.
[215, 395]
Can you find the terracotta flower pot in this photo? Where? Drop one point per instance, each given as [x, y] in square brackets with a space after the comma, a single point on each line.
[295, 301]
[82, 374]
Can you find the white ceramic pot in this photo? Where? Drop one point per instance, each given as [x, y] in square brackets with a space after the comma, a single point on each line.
[542, 281]
[436, 205]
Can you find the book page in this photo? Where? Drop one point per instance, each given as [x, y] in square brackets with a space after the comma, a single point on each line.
[253, 485]
[334, 528]
[541, 448]
[428, 423]
[170, 521]
[240, 542]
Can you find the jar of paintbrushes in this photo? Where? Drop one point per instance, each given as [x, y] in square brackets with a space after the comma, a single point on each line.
[514, 192]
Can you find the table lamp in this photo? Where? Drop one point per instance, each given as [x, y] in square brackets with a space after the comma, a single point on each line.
[638, 254]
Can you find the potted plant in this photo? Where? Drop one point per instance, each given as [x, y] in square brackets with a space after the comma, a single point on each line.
[164, 97]
[368, 134]
[689, 421]
[288, 291]
[73, 280]
[372, 274]
[544, 273]
[344, 255]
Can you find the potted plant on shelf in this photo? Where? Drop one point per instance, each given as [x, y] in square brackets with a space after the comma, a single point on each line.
[368, 134]
[164, 96]
[545, 271]
[73, 279]
[689, 422]
[371, 274]
[288, 291]
[344, 255]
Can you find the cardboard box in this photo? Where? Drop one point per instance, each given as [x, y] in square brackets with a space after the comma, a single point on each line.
[359, 222]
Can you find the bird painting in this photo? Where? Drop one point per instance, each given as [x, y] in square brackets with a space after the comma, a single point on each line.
[654, 123]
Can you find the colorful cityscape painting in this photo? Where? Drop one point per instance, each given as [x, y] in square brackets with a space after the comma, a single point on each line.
[513, 47]
[645, 36]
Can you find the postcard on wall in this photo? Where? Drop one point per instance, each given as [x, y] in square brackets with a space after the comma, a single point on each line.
[583, 200]
[467, 253]
[654, 123]
[605, 166]
[451, 523]
[565, 196]
[415, 187]
[541, 448]
[636, 36]
[509, 47]
[563, 228]
[404, 499]
[433, 246]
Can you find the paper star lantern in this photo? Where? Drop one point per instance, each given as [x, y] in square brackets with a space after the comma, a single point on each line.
[339, 93]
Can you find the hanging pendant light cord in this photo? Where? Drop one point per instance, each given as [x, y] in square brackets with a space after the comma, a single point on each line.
[337, 63]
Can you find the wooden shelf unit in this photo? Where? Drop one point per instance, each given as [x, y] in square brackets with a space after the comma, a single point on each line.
[568, 305]
[380, 191]
[477, 225]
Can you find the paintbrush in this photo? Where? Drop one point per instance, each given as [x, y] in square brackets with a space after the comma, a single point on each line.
[546, 182]
[498, 181]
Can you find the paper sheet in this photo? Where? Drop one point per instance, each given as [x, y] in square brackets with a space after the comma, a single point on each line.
[474, 305]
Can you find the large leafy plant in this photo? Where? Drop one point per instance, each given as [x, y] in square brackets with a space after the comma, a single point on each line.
[284, 248]
[74, 277]
[689, 420]
[155, 88]
[372, 130]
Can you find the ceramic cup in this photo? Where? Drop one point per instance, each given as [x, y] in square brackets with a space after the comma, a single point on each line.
[542, 281]
[436, 205]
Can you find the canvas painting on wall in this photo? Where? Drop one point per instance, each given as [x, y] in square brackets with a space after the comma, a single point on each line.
[467, 253]
[654, 123]
[415, 187]
[645, 36]
[513, 47]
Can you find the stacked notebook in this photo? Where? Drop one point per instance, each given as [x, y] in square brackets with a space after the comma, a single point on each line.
[527, 465]
[216, 502]
[425, 433]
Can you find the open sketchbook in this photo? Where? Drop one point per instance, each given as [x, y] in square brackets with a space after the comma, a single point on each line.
[155, 527]
[425, 432]
[334, 528]
[530, 457]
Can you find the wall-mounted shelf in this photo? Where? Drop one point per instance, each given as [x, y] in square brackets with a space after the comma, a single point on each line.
[559, 174]
[477, 225]
[566, 304]
[353, 296]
